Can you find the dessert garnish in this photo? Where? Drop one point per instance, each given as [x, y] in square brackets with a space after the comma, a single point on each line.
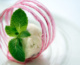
[17, 30]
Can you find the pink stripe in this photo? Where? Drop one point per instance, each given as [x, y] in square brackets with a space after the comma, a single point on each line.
[4, 36]
[5, 42]
[2, 51]
[7, 17]
[2, 48]
[3, 13]
[0, 44]
[11, 12]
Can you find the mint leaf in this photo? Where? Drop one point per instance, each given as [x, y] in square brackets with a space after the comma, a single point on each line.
[11, 31]
[16, 49]
[24, 34]
[19, 20]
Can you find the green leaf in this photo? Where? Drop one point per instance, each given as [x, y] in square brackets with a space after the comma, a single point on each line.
[24, 34]
[19, 20]
[11, 31]
[16, 49]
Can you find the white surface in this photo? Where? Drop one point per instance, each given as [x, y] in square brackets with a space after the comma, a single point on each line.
[5, 4]
[73, 36]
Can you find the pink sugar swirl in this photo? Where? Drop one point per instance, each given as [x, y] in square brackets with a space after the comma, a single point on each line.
[47, 38]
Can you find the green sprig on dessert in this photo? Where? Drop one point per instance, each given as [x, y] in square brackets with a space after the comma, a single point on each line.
[17, 29]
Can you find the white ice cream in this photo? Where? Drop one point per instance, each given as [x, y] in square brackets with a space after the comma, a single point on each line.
[32, 44]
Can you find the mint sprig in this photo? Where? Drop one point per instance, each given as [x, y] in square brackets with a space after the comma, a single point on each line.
[17, 29]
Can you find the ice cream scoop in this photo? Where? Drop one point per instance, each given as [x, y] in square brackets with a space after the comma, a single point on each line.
[32, 45]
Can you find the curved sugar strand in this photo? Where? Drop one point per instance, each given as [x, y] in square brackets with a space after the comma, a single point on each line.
[2, 45]
[2, 50]
[5, 43]
[3, 33]
[7, 16]
[1, 18]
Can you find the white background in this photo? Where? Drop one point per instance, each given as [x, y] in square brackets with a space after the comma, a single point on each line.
[68, 9]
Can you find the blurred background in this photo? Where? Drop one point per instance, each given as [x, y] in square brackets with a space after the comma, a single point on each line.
[66, 14]
[69, 9]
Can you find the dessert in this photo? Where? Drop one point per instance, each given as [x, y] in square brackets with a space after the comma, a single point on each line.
[33, 43]
[23, 32]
